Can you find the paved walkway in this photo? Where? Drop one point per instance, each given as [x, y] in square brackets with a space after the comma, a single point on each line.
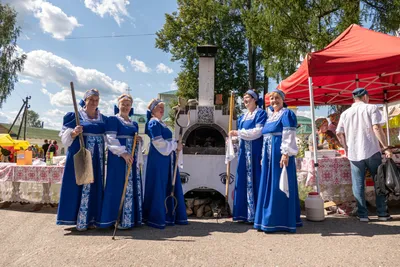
[33, 239]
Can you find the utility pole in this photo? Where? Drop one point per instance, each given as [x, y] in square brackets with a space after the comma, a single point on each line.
[24, 118]
[16, 118]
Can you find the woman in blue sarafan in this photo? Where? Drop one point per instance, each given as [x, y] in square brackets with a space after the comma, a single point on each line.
[80, 205]
[277, 209]
[120, 132]
[159, 173]
[249, 163]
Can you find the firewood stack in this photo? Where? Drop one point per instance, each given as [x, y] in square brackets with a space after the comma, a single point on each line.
[205, 207]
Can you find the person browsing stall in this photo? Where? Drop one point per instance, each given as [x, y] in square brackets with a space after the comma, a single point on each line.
[360, 132]
[325, 138]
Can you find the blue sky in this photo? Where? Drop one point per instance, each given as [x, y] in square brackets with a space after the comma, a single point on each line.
[54, 60]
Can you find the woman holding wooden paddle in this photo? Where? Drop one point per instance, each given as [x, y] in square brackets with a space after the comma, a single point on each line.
[158, 210]
[81, 205]
[121, 134]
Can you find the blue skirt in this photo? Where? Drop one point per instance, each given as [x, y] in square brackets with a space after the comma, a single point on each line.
[80, 205]
[275, 211]
[247, 181]
[159, 174]
[132, 208]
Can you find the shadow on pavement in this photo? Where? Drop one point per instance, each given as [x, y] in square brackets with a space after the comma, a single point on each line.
[34, 208]
[333, 225]
[350, 226]
[198, 228]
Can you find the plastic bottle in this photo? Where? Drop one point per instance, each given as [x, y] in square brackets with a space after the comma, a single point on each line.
[314, 207]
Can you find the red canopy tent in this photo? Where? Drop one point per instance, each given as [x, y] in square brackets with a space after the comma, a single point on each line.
[357, 58]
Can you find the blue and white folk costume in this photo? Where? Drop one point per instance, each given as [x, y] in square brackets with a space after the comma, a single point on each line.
[120, 134]
[275, 211]
[159, 174]
[80, 205]
[249, 165]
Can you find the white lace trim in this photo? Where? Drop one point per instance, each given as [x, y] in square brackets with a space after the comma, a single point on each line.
[275, 116]
[250, 115]
[85, 117]
[123, 121]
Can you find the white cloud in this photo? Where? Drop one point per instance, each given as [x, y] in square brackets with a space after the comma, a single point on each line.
[5, 118]
[51, 18]
[138, 65]
[52, 118]
[47, 67]
[162, 68]
[115, 8]
[304, 113]
[62, 98]
[51, 123]
[107, 106]
[139, 106]
[54, 21]
[25, 81]
[55, 113]
[121, 67]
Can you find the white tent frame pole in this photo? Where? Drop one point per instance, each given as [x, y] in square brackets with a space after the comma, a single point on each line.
[314, 132]
[387, 118]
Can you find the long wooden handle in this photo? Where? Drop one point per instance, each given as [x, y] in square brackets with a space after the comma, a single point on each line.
[176, 162]
[125, 185]
[76, 114]
[228, 165]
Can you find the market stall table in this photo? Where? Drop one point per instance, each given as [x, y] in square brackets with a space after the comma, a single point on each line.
[335, 178]
[28, 183]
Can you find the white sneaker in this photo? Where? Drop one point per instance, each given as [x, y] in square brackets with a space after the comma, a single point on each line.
[385, 218]
[366, 219]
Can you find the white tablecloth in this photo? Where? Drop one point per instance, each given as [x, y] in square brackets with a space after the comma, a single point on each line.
[34, 184]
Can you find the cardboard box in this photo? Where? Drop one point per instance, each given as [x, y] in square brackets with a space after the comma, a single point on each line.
[24, 157]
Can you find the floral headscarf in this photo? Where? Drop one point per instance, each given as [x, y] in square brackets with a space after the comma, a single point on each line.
[319, 122]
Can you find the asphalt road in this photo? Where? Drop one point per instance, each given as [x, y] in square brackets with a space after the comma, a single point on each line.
[33, 239]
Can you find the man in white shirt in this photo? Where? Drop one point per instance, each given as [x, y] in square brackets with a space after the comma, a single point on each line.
[360, 132]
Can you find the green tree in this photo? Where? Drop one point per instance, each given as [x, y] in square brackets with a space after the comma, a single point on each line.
[201, 22]
[10, 64]
[287, 30]
[261, 39]
[32, 119]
